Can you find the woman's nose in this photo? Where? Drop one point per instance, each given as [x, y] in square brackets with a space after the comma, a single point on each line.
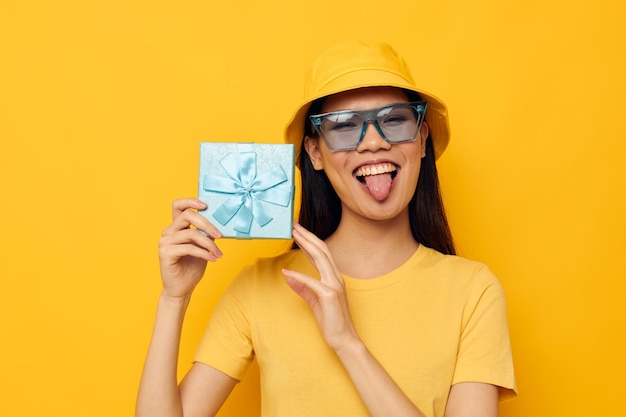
[372, 140]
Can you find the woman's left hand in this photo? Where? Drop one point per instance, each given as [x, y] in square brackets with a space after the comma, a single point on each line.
[327, 296]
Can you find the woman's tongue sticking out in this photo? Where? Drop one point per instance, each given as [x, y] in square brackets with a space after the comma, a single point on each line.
[379, 185]
[377, 179]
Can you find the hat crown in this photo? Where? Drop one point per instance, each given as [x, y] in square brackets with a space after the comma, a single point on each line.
[353, 57]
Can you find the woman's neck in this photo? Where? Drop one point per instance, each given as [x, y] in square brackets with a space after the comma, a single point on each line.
[364, 248]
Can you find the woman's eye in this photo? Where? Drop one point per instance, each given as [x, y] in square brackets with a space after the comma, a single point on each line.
[395, 119]
[343, 126]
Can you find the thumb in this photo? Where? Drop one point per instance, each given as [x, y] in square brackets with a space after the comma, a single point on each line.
[300, 287]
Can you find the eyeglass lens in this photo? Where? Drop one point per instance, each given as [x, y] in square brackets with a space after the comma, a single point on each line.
[345, 129]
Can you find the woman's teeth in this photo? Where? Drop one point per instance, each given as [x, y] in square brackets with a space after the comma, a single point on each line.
[366, 170]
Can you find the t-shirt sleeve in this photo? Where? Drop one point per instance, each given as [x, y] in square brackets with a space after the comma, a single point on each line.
[484, 353]
[227, 344]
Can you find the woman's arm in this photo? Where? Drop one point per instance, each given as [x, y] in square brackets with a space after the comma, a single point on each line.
[183, 254]
[471, 399]
[379, 392]
[158, 389]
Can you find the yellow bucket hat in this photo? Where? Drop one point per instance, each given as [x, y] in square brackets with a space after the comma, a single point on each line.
[352, 65]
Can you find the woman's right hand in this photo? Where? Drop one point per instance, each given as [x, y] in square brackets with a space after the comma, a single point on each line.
[184, 250]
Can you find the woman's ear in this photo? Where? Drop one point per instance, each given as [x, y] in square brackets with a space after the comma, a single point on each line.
[424, 129]
[312, 146]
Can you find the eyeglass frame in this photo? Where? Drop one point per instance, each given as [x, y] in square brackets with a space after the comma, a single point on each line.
[370, 116]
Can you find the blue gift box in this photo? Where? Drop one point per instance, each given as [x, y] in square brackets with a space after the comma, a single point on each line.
[249, 188]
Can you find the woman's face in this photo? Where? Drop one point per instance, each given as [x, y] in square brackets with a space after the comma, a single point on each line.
[376, 180]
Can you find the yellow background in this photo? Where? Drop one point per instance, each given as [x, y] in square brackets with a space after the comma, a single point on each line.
[102, 107]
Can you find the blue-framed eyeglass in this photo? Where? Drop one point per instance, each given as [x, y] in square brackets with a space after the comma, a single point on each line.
[344, 130]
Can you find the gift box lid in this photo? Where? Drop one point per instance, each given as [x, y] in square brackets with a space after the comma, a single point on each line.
[248, 187]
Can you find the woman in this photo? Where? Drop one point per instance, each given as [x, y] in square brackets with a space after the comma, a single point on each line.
[371, 313]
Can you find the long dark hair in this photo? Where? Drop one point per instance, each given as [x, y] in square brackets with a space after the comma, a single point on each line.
[320, 209]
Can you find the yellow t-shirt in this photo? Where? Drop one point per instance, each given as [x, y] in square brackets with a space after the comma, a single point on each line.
[435, 321]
